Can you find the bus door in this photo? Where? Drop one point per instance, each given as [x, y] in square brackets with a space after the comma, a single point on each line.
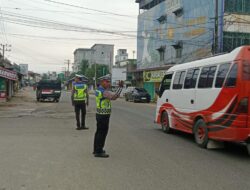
[182, 97]
[206, 94]
[189, 91]
[163, 93]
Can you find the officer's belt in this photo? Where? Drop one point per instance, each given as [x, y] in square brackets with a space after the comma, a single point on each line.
[103, 111]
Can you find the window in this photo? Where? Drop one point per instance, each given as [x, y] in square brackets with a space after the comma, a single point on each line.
[178, 12]
[246, 71]
[222, 73]
[146, 5]
[207, 77]
[191, 78]
[237, 6]
[161, 51]
[232, 40]
[178, 49]
[165, 84]
[162, 55]
[179, 80]
[162, 19]
[178, 53]
[232, 76]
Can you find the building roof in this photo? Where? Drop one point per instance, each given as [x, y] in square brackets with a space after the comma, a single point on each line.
[82, 49]
[101, 45]
[91, 49]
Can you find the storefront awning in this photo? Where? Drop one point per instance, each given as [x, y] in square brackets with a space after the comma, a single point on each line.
[5, 73]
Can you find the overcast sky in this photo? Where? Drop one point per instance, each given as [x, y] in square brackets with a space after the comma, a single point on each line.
[47, 49]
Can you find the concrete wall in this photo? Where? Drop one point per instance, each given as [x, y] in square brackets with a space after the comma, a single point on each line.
[99, 53]
[79, 56]
[119, 74]
[103, 54]
[121, 55]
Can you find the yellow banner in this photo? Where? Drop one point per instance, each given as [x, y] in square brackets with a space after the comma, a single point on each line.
[154, 76]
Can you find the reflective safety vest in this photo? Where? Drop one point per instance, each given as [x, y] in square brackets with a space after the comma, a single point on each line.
[80, 92]
[103, 105]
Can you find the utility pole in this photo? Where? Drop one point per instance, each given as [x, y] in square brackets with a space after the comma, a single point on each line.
[68, 63]
[216, 37]
[95, 76]
[4, 48]
[111, 67]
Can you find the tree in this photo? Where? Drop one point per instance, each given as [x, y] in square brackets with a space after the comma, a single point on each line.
[89, 72]
[84, 66]
[101, 70]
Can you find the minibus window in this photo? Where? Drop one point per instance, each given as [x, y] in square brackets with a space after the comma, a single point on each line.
[207, 77]
[210, 78]
[179, 80]
[222, 73]
[232, 77]
[203, 77]
[165, 84]
[246, 71]
[191, 78]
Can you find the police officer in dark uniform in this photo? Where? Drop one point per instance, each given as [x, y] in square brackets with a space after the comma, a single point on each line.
[103, 112]
[80, 99]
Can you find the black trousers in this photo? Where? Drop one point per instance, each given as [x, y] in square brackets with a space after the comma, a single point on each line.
[80, 109]
[102, 128]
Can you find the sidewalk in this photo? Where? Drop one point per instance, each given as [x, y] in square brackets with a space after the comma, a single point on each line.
[25, 96]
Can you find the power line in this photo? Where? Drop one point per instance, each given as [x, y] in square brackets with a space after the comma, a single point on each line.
[3, 26]
[64, 38]
[50, 24]
[65, 13]
[45, 21]
[86, 8]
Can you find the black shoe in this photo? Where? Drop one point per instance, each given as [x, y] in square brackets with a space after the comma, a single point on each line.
[102, 155]
[100, 152]
[84, 128]
[78, 128]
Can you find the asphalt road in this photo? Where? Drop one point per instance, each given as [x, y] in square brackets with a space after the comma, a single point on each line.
[40, 149]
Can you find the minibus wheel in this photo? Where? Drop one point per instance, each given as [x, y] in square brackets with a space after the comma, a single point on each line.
[201, 133]
[165, 123]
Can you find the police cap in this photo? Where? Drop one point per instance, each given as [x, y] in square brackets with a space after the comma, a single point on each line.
[82, 77]
[106, 77]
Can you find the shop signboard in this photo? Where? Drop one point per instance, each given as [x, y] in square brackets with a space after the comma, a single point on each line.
[154, 76]
[24, 69]
[11, 75]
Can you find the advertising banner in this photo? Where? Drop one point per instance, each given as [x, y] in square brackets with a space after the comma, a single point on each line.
[11, 75]
[154, 76]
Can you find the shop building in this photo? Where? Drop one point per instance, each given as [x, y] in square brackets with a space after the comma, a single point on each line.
[8, 81]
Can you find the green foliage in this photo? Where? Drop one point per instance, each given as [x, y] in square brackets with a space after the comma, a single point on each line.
[89, 72]
[84, 67]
